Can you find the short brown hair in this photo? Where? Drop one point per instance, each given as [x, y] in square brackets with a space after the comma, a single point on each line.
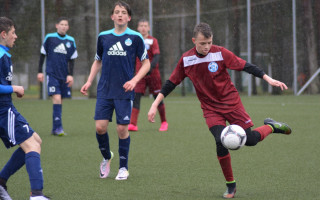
[62, 19]
[122, 4]
[202, 28]
[6, 24]
[142, 20]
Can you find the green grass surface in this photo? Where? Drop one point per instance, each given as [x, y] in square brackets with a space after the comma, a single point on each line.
[180, 163]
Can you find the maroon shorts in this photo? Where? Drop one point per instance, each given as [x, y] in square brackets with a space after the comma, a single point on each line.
[238, 116]
[153, 81]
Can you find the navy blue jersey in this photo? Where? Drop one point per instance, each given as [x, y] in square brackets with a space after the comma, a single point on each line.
[118, 54]
[5, 72]
[59, 50]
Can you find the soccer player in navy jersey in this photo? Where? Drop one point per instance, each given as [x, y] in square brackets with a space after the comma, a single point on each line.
[117, 50]
[206, 65]
[60, 50]
[152, 80]
[14, 129]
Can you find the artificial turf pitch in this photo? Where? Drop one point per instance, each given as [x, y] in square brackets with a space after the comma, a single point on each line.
[180, 163]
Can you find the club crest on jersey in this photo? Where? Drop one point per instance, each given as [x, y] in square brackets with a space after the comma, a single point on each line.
[128, 42]
[213, 67]
[68, 44]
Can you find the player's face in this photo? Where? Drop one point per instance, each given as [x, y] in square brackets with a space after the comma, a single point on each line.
[144, 28]
[9, 38]
[62, 27]
[202, 43]
[120, 16]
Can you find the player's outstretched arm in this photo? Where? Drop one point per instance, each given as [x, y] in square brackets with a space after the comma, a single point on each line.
[274, 82]
[129, 85]
[95, 68]
[154, 107]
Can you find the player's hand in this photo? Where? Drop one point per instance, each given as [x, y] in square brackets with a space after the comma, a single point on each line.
[152, 113]
[84, 89]
[69, 80]
[19, 90]
[277, 83]
[129, 85]
[40, 77]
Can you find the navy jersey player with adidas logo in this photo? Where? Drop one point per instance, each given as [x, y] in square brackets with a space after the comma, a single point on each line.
[117, 50]
[14, 128]
[60, 51]
[121, 49]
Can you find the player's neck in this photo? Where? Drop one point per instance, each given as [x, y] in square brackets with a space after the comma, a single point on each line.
[145, 36]
[120, 29]
[61, 35]
[199, 54]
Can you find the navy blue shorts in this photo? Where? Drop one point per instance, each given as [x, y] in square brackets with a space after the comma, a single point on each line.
[14, 128]
[105, 107]
[56, 86]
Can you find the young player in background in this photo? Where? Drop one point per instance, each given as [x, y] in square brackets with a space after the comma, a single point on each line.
[14, 129]
[151, 80]
[60, 50]
[117, 50]
[206, 65]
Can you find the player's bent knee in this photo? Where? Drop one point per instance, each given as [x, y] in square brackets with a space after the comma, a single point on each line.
[31, 144]
[253, 137]
[123, 132]
[37, 137]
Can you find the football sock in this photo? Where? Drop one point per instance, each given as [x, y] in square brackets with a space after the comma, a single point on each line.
[33, 166]
[124, 145]
[16, 161]
[56, 116]
[162, 112]
[231, 186]
[103, 141]
[134, 116]
[225, 163]
[3, 183]
[264, 131]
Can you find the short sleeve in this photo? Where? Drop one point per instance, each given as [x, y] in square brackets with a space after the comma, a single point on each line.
[141, 49]
[232, 61]
[99, 49]
[178, 73]
[155, 47]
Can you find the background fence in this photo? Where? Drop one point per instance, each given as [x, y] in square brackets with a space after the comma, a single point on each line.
[271, 38]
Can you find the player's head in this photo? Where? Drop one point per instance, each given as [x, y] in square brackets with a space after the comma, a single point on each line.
[202, 38]
[7, 32]
[121, 13]
[143, 27]
[62, 25]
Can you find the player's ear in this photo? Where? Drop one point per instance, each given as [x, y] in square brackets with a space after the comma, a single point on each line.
[194, 40]
[3, 34]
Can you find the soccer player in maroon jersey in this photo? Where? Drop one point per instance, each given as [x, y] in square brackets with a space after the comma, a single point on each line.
[151, 80]
[206, 65]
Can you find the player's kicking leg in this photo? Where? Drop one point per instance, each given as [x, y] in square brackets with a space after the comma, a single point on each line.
[278, 127]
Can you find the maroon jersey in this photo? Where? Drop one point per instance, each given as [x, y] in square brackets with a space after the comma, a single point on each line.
[210, 78]
[152, 47]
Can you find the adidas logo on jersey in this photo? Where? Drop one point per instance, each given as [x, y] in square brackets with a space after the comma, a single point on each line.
[117, 50]
[60, 49]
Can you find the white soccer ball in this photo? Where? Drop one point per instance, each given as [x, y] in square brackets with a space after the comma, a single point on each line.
[233, 137]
